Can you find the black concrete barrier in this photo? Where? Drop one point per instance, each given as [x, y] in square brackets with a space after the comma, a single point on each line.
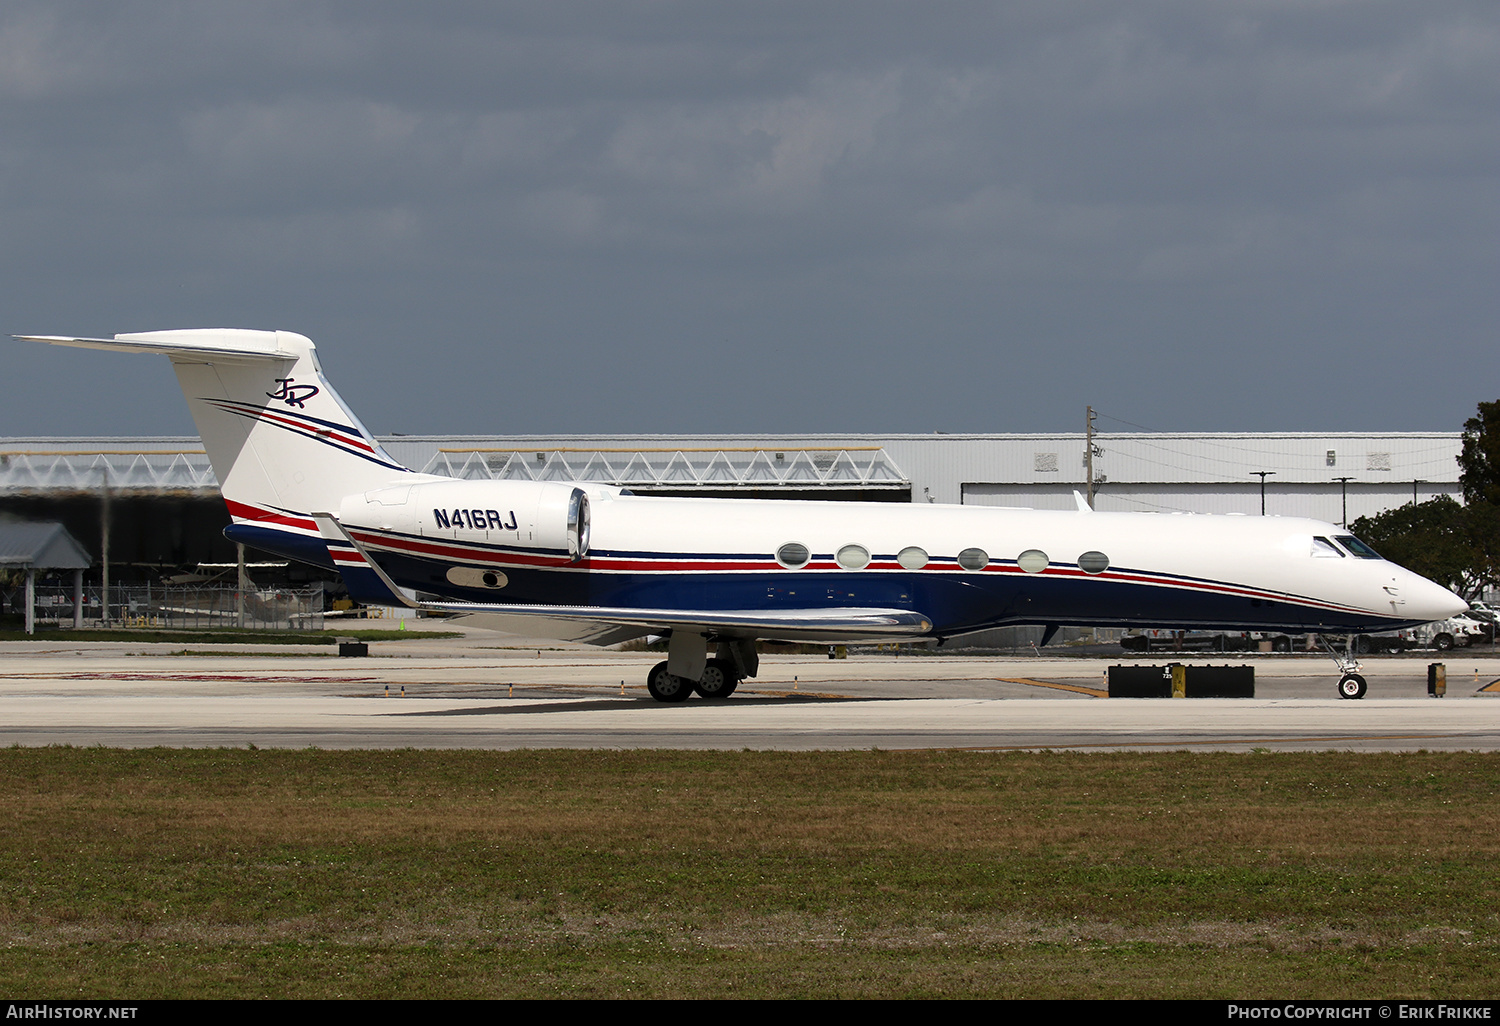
[1221, 682]
[1192, 681]
[1140, 682]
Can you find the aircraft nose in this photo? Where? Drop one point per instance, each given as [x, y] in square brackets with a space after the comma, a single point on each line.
[1425, 600]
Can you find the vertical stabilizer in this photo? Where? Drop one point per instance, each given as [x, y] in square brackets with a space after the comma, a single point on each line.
[280, 439]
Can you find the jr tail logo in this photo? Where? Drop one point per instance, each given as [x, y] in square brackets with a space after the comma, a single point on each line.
[292, 394]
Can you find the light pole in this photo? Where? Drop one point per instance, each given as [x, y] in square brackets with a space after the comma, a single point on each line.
[1263, 475]
[1344, 495]
[104, 543]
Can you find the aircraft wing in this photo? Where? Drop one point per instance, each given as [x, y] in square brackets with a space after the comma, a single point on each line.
[605, 625]
[610, 625]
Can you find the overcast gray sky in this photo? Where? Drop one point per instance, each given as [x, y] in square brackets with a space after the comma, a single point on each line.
[1228, 215]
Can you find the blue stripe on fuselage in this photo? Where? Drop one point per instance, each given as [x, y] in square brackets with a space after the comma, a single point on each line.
[956, 603]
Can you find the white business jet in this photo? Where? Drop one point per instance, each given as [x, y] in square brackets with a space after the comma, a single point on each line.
[591, 562]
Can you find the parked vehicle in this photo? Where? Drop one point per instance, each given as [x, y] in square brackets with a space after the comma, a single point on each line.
[1455, 632]
[1184, 641]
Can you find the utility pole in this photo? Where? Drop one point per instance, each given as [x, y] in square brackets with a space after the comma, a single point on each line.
[1414, 490]
[241, 585]
[1263, 475]
[1088, 450]
[1344, 491]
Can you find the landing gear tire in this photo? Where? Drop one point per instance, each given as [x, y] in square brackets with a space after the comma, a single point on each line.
[1352, 685]
[665, 686]
[718, 680]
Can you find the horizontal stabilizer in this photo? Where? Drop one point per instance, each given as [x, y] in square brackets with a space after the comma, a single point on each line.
[222, 343]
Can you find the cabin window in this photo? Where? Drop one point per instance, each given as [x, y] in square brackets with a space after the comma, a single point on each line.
[973, 559]
[912, 557]
[854, 557]
[1356, 546]
[793, 555]
[1033, 561]
[1093, 562]
[1325, 549]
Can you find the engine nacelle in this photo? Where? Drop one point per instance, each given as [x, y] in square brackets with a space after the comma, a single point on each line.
[544, 516]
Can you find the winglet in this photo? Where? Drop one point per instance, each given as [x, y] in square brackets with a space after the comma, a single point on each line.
[1083, 506]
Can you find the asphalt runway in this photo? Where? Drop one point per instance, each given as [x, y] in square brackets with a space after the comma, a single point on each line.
[483, 694]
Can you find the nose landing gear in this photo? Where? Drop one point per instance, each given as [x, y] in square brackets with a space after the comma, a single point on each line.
[1351, 683]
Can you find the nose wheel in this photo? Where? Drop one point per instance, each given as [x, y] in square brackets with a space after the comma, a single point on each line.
[1352, 685]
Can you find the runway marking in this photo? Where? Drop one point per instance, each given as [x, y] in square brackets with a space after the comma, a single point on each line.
[1206, 741]
[1078, 688]
[168, 677]
[788, 693]
[1493, 687]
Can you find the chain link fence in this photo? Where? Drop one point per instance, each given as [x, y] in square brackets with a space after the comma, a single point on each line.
[177, 606]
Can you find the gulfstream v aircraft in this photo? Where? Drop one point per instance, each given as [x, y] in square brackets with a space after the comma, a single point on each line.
[590, 562]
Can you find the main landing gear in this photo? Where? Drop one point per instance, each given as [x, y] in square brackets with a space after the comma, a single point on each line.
[687, 668]
[1351, 683]
[718, 681]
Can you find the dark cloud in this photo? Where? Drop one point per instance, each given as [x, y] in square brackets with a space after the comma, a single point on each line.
[763, 217]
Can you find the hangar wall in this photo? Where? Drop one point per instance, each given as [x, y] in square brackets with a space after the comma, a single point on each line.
[1143, 472]
[166, 510]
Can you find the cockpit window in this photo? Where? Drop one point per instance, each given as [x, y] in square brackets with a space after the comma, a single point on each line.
[1356, 546]
[1325, 548]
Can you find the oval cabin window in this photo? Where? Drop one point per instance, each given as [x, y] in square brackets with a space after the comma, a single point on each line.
[912, 557]
[854, 557]
[1033, 561]
[1093, 562]
[973, 559]
[793, 555]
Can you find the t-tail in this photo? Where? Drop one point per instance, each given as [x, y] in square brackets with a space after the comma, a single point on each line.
[281, 441]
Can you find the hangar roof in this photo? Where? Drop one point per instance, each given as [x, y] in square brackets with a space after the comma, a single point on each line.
[935, 464]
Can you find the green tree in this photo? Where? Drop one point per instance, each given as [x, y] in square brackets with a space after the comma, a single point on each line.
[1457, 545]
[1479, 466]
[1436, 539]
[1479, 463]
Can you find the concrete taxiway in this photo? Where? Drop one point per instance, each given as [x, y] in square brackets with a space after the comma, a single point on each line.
[483, 694]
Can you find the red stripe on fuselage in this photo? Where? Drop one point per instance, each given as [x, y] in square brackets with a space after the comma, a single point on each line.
[243, 511]
[667, 564]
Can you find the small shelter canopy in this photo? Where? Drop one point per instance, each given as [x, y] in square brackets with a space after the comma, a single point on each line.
[45, 545]
[40, 546]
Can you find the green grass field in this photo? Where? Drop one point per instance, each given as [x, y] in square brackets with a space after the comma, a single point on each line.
[168, 873]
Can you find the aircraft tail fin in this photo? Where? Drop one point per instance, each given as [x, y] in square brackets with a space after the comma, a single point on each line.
[281, 440]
